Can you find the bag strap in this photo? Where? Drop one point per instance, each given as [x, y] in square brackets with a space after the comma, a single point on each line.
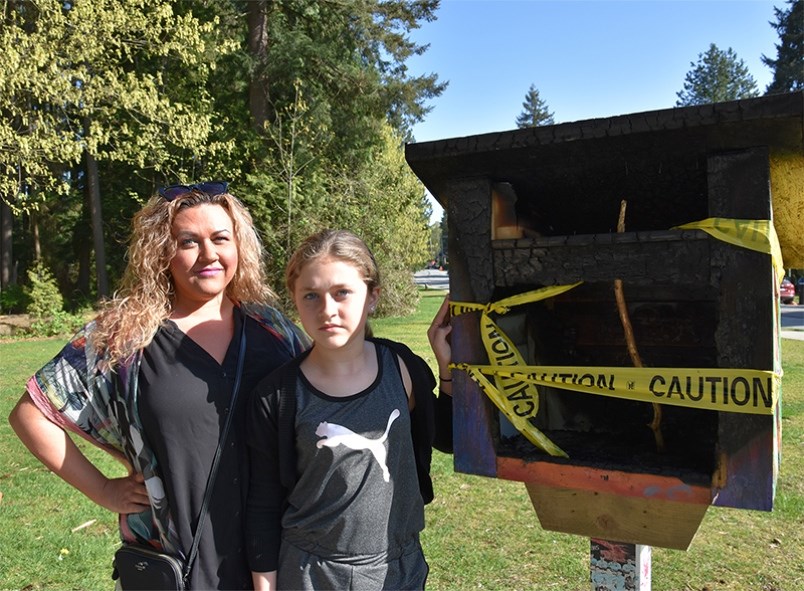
[213, 471]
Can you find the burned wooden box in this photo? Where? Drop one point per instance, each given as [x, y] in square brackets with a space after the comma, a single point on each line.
[540, 207]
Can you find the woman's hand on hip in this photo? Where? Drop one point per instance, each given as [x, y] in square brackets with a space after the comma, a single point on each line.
[125, 495]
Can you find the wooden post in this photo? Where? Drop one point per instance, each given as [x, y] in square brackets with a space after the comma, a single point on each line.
[619, 566]
[471, 276]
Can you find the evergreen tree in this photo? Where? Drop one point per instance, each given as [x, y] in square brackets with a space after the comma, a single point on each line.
[303, 105]
[718, 76]
[331, 101]
[350, 59]
[89, 85]
[788, 67]
[534, 111]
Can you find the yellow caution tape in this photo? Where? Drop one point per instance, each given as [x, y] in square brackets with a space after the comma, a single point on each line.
[746, 391]
[520, 422]
[515, 392]
[518, 400]
[759, 235]
[504, 305]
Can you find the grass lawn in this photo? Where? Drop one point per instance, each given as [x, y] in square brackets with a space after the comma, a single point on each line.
[481, 533]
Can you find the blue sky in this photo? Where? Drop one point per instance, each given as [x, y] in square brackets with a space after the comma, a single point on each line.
[587, 58]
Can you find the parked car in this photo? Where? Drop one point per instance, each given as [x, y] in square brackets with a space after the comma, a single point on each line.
[787, 291]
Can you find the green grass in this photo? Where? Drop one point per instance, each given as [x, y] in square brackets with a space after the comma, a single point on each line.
[39, 511]
[481, 533]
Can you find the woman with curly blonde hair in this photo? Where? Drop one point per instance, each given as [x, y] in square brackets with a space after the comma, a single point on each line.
[145, 298]
[150, 380]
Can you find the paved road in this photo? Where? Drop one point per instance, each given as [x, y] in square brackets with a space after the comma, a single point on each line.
[792, 322]
[432, 278]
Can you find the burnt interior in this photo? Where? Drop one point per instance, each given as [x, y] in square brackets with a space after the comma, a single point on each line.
[692, 300]
[582, 328]
[576, 190]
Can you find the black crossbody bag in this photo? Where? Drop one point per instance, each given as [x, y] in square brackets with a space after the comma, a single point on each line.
[140, 568]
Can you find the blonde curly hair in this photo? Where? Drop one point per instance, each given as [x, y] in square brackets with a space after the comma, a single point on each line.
[129, 321]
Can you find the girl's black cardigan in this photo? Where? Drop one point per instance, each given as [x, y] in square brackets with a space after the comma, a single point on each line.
[271, 417]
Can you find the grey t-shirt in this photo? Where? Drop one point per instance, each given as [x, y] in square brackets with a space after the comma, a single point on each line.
[357, 491]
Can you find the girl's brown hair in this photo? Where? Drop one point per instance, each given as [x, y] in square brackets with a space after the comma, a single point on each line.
[337, 244]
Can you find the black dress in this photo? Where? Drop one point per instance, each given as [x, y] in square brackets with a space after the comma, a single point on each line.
[183, 401]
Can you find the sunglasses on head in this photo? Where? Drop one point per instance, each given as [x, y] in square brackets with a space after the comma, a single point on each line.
[210, 188]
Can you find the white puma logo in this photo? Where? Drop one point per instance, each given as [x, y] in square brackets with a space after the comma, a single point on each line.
[336, 435]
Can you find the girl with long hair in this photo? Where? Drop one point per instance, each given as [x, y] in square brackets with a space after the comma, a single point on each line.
[341, 437]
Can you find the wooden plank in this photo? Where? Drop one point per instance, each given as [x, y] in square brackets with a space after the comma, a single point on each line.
[640, 258]
[469, 219]
[747, 332]
[609, 516]
[607, 481]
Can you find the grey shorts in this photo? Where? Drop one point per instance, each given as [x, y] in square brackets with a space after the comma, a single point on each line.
[302, 570]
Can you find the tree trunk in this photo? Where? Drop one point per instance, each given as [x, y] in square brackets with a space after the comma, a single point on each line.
[37, 244]
[7, 277]
[258, 47]
[94, 201]
[83, 254]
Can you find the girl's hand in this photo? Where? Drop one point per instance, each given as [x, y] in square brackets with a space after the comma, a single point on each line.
[438, 335]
